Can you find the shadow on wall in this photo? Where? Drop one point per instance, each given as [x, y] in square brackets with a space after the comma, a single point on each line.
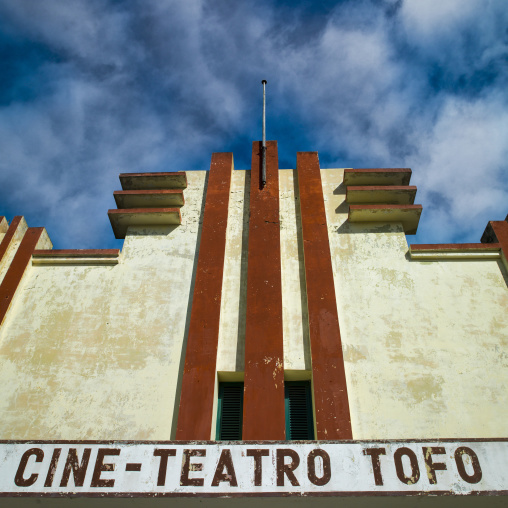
[303, 281]
[369, 227]
[242, 308]
[189, 308]
[163, 230]
[341, 191]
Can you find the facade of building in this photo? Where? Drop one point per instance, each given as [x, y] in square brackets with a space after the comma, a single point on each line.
[261, 343]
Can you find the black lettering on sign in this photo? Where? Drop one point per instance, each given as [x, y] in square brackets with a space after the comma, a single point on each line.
[311, 467]
[374, 454]
[287, 469]
[430, 465]
[187, 466]
[399, 468]
[19, 479]
[163, 453]
[52, 467]
[97, 481]
[229, 475]
[461, 467]
[258, 469]
[78, 469]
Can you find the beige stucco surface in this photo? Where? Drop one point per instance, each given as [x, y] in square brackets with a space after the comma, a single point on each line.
[294, 304]
[425, 343]
[94, 352]
[231, 346]
[230, 357]
[97, 351]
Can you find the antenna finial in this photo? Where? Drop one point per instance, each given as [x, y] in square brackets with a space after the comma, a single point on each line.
[263, 146]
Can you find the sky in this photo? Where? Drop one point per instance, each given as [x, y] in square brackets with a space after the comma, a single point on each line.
[93, 88]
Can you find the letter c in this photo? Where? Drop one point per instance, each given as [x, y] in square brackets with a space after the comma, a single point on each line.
[19, 480]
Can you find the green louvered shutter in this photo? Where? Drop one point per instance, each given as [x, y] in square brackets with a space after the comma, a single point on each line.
[230, 412]
[299, 421]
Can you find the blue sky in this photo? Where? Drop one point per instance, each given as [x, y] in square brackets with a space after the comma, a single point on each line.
[93, 88]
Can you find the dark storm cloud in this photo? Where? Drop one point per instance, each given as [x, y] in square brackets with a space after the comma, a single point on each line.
[92, 88]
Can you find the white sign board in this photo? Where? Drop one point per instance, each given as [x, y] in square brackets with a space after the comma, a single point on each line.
[247, 468]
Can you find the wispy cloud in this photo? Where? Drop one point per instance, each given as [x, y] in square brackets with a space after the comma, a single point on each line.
[93, 88]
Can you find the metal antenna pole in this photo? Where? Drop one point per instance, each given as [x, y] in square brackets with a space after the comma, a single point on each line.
[263, 147]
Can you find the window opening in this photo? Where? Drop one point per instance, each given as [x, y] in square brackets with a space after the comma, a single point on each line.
[298, 404]
[230, 412]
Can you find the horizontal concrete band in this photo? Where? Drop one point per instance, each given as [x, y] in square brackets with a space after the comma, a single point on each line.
[197, 395]
[377, 176]
[381, 194]
[148, 181]
[457, 251]
[310, 468]
[455, 246]
[154, 198]
[76, 257]
[76, 253]
[125, 217]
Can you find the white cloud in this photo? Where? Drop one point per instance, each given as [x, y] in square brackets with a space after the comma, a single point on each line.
[464, 159]
[158, 85]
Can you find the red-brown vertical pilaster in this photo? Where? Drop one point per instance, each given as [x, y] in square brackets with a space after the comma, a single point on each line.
[9, 235]
[328, 375]
[263, 415]
[17, 268]
[196, 401]
[500, 228]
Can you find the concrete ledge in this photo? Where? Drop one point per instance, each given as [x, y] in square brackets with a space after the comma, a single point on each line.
[159, 198]
[77, 253]
[377, 176]
[122, 219]
[148, 181]
[76, 257]
[407, 215]
[74, 261]
[388, 194]
[447, 247]
[455, 251]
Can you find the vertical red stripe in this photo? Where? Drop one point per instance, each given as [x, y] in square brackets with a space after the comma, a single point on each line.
[197, 397]
[7, 239]
[263, 416]
[328, 375]
[500, 229]
[17, 268]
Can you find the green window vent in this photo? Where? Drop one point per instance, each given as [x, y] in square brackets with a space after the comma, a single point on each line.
[230, 412]
[298, 401]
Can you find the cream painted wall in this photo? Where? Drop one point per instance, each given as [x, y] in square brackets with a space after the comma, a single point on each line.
[96, 352]
[230, 357]
[93, 352]
[231, 347]
[425, 343]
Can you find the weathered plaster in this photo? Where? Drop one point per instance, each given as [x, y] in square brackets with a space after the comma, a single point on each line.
[230, 356]
[93, 352]
[294, 307]
[231, 348]
[426, 344]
